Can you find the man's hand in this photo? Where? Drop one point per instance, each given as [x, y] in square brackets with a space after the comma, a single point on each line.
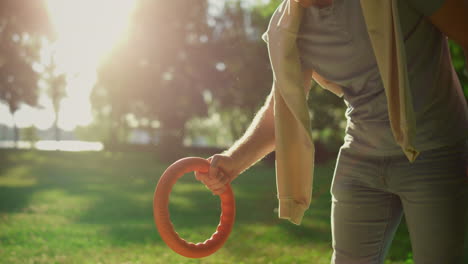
[222, 171]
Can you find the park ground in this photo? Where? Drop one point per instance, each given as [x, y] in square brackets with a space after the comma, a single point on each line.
[96, 207]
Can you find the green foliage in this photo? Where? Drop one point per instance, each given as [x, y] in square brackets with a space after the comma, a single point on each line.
[173, 57]
[459, 63]
[29, 134]
[112, 98]
[246, 78]
[265, 10]
[160, 71]
[55, 86]
[222, 128]
[327, 117]
[21, 23]
[93, 132]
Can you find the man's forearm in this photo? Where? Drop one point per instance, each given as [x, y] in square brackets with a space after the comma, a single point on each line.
[258, 140]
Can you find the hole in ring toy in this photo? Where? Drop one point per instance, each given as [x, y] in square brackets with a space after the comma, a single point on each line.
[163, 221]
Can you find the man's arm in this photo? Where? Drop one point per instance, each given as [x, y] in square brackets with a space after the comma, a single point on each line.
[452, 20]
[331, 86]
[259, 139]
[256, 143]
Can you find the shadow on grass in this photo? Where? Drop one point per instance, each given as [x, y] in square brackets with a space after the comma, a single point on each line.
[109, 182]
[14, 199]
[120, 190]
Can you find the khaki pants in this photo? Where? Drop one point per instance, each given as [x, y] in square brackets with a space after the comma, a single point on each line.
[370, 195]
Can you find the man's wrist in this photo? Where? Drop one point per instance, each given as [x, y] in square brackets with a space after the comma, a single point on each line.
[239, 158]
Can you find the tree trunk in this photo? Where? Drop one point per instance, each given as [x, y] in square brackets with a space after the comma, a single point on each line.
[16, 135]
[56, 128]
[112, 136]
[13, 109]
[4, 133]
[112, 139]
[171, 144]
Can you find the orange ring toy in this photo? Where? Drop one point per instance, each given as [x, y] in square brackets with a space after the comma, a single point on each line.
[163, 221]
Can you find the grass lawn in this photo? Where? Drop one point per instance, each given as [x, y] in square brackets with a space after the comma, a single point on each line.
[58, 207]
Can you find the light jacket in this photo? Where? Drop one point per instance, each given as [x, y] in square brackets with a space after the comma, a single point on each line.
[293, 138]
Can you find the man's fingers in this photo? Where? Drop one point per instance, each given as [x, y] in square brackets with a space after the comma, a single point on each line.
[219, 191]
[201, 176]
[217, 185]
[205, 179]
[215, 179]
[213, 170]
[219, 180]
[223, 179]
[213, 173]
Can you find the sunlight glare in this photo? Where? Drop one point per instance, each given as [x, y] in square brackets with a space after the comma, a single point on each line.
[86, 31]
[69, 145]
[5, 117]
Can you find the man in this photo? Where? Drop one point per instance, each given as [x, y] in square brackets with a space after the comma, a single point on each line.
[404, 149]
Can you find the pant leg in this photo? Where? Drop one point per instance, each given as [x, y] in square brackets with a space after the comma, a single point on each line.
[364, 216]
[433, 191]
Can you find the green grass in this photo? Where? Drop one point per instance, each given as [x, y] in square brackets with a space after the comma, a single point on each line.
[58, 207]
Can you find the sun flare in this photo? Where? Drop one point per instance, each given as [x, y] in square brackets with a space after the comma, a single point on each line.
[85, 31]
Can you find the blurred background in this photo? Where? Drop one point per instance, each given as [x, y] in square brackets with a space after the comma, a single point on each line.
[141, 74]
[135, 85]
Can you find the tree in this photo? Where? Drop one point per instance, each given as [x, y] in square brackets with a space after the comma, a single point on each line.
[21, 23]
[30, 134]
[56, 83]
[179, 63]
[113, 96]
[162, 69]
[244, 76]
